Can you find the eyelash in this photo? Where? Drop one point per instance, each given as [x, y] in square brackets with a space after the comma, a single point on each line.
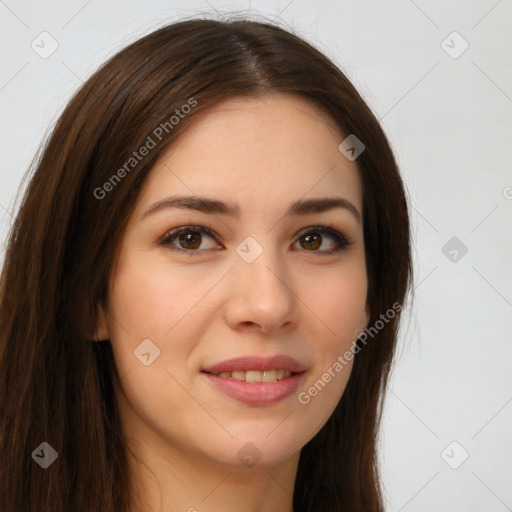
[341, 240]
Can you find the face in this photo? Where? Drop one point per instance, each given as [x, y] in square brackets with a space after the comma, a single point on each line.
[240, 275]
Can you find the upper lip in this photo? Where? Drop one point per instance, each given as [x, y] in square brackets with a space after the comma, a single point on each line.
[248, 363]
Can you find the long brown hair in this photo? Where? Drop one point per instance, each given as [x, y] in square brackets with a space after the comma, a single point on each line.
[56, 386]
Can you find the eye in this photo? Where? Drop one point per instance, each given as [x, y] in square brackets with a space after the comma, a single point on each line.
[188, 240]
[314, 237]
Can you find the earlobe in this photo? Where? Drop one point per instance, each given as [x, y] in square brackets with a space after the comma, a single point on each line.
[365, 319]
[101, 332]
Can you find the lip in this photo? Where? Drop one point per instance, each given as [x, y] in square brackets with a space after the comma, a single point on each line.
[257, 393]
[248, 363]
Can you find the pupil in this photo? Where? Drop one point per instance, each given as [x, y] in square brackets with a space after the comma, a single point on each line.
[311, 240]
[190, 238]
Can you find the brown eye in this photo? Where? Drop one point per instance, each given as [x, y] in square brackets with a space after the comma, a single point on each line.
[188, 239]
[313, 239]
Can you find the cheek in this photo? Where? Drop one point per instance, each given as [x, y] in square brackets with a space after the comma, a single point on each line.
[339, 305]
[152, 299]
[162, 303]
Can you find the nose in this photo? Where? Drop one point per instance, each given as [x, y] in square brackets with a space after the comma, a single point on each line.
[262, 296]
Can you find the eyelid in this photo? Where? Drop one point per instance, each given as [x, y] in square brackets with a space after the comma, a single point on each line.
[165, 240]
[342, 240]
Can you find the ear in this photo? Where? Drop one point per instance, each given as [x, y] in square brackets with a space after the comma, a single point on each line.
[101, 332]
[365, 319]
[366, 316]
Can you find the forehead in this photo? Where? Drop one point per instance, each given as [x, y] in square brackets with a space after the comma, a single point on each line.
[260, 152]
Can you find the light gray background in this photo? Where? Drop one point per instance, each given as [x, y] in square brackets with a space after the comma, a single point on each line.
[450, 123]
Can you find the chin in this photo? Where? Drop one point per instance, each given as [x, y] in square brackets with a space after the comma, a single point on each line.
[250, 450]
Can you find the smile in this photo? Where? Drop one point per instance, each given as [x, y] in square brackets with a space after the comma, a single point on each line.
[238, 385]
[256, 375]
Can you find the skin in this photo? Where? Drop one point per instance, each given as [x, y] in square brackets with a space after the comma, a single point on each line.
[263, 154]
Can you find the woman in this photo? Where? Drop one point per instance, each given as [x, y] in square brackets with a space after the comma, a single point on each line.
[202, 288]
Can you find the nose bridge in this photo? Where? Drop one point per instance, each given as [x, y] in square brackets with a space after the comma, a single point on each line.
[263, 288]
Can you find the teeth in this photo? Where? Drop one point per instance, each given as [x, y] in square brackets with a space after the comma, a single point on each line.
[256, 375]
[269, 376]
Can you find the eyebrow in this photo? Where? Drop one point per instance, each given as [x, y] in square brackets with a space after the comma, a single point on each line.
[214, 206]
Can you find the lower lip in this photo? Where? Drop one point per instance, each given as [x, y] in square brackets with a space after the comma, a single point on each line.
[257, 393]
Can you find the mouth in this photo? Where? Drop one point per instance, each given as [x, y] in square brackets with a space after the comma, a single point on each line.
[256, 375]
[255, 380]
[253, 364]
